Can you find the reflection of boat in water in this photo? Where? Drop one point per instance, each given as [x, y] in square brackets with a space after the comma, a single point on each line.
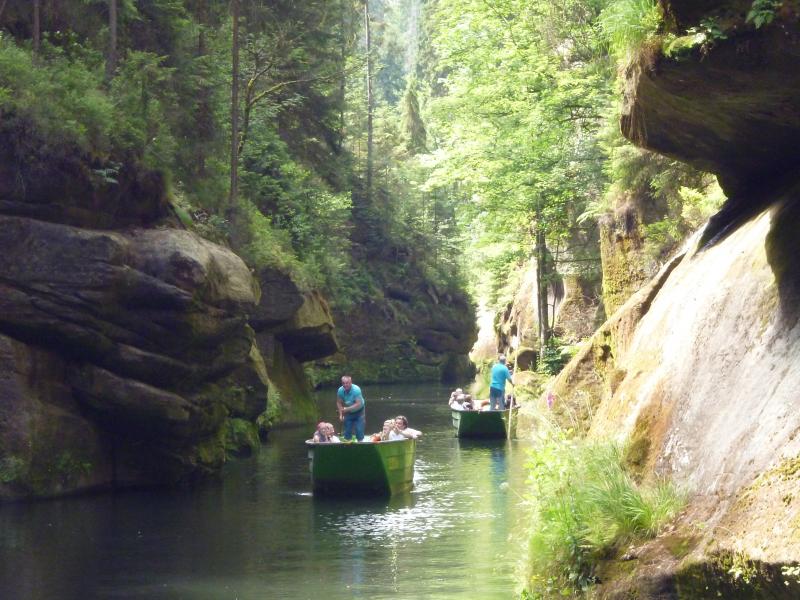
[376, 468]
[481, 423]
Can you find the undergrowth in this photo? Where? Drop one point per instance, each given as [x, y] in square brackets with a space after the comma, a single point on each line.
[583, 505]
[628, 24]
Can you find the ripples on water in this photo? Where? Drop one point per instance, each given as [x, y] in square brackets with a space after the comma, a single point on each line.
[262, 534]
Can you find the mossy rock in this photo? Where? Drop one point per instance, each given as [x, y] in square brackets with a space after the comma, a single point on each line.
[734, 575]
[241, 438]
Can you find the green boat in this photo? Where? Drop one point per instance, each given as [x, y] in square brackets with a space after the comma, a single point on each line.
[373, 468]
[481, 423]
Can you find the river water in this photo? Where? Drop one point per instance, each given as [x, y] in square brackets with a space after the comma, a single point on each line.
[261, 534]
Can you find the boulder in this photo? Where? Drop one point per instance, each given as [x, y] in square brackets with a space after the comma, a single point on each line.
[141, 332]
[280, 299]
[309, 334]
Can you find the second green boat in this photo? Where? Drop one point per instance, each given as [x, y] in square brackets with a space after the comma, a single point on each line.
[481, 423]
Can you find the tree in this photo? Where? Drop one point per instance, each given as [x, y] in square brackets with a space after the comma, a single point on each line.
[413, 126]
[234, 154]
[37, 25]
[526, 86]
[370, 101]
[111, 58]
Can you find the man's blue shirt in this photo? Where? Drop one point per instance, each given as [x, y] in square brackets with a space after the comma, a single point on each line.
[349, 398]
[500, 374]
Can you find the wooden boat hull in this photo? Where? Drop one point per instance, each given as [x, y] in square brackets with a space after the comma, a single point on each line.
[379, 468]
[481, 424]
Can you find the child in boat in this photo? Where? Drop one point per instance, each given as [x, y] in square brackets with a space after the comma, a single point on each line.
[325, 433]
[402, 431]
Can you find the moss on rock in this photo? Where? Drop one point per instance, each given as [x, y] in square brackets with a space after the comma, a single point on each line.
[241, 437]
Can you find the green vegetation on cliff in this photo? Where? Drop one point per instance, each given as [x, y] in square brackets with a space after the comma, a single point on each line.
[584, 506]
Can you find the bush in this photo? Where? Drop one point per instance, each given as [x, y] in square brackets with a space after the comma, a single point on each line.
[60, 98]
[583, 504]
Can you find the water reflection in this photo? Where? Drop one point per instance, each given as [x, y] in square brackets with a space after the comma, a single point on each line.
[262, 534]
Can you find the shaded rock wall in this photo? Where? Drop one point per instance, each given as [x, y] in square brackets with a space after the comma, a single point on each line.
[414, 333]
[699, 370]
[293, 327]
[117, 346]
[573, 304]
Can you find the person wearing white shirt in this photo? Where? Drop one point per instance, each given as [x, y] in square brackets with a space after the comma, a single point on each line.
[402, 431]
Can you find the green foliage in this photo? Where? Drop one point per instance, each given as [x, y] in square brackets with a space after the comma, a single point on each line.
[142, 95]
[629, 24]
[763, 12]
[269, 246]
[583, 504]
[527, 85]
[58, 97]
[554, 356]
[703, 37]
[12, 468]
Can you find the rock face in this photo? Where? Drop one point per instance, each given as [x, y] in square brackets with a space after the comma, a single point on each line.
[699, 369]
[572, 298]
[414, 333]
[115, 349]
[732, 110]
[292, 327]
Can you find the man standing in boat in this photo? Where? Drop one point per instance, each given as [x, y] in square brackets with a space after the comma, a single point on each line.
[497, 387]
[350, 403]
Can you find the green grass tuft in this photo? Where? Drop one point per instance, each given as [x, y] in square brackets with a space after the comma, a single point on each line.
[583, 505]
[628, 24]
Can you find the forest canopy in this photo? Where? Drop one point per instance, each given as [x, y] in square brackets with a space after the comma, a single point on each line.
[463, 136]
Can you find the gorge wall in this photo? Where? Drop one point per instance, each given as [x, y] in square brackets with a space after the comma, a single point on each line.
[699, 370]
[131, 349]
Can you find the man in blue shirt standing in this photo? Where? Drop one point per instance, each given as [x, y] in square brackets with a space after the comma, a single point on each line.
[350, 404]
[497, 387]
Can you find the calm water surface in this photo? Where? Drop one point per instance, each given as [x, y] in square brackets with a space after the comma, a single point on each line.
[260, 533]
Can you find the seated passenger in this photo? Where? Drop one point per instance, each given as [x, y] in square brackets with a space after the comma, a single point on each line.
[457, 402]
[402, 431]
[325, 433]
[511, 401]
[383, 436]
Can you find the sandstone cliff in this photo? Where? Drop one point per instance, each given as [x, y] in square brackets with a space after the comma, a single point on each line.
[699, 369]
[131, 350]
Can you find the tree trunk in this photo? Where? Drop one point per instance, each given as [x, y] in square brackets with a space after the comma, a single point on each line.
[111, 59]
[541, 284]
[37, 25]
[370, 101]
[343, 76]
[234, 186]
[204, 123]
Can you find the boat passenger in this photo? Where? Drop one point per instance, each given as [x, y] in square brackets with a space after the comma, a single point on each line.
[402, 431]
[383, 435]
[455, 393]
[497, 388]
[325, 433]
[350, 404]
[457, 402]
